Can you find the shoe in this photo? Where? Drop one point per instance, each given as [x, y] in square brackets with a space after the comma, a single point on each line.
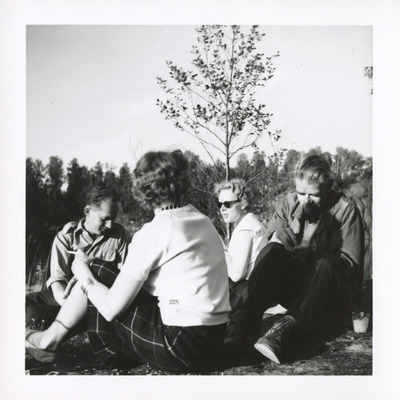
[270, 345]
[268, 321]
[41, 355]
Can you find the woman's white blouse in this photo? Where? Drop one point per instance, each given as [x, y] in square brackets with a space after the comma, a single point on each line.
[249, 223]
[180, 258]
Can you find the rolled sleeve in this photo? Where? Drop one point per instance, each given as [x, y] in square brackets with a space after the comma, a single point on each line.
[145, 252]
[60, 260]
[122, 249]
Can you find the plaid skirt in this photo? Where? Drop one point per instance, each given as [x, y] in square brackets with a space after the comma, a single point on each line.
[140, 333]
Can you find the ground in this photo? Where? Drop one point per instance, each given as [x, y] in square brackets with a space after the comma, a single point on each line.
[332, 348]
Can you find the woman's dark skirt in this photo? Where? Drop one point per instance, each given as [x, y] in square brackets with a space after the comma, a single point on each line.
[140, 333]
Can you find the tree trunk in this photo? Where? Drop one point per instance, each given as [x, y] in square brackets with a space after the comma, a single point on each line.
[227, 166]
[227, 177]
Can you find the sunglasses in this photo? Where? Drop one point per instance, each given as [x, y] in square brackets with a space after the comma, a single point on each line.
[227, 204]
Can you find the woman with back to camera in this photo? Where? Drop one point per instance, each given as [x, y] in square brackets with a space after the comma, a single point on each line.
[169, 304]
[248, 236]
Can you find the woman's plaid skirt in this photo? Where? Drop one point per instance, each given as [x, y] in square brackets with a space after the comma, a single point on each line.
[140, 333]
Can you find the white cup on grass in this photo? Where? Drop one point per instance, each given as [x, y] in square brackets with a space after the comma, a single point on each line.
[360, 321]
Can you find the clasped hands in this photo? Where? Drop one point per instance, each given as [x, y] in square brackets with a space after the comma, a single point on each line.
[286, 237]
[289, 240]
[80, 269]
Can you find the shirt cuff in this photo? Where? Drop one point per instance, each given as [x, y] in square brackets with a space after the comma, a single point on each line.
[274, 239]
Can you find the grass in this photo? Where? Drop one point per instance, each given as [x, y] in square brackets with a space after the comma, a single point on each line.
[332, 348]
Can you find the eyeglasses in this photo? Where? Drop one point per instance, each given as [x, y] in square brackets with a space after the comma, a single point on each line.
[227, 204]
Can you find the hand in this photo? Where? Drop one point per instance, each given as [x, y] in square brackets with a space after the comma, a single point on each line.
[304, 250]
[305, 253]
[69, 287]
[286, 237]
[80, 266]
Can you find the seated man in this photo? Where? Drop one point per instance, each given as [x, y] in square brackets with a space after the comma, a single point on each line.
[314, 256]
[96, 234]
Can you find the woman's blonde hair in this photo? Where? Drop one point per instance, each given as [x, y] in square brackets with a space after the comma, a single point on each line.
[238, 186]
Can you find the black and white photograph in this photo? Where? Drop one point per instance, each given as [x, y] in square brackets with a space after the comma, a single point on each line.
[199, 202]
[244, 105]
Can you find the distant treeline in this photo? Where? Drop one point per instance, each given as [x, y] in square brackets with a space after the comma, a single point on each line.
[55, 196]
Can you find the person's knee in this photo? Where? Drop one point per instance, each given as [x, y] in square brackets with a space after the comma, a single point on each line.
[270, 251]
[105, 271]
[40, 314]
[33, 313]
[275, 248]
[325, 267]
[30, 299]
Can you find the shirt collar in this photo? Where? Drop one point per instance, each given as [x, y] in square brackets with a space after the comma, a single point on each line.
[80, 225]
[325, 218]
[81, 228]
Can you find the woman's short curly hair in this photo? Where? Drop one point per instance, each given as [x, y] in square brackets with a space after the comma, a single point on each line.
[161, 177]
[238, 186]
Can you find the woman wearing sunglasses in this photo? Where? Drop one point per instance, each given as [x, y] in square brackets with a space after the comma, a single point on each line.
[248, 236]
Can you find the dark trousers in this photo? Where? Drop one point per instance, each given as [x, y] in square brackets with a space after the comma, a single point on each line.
[41, 308]
[237, 291]
[301, 285]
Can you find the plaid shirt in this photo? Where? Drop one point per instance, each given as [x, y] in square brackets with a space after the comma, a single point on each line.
[112, 246]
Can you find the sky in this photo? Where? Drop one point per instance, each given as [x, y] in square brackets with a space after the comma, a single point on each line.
[91, 90]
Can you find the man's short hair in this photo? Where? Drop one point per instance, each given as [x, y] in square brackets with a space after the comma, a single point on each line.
[315, 168]
[99, 193]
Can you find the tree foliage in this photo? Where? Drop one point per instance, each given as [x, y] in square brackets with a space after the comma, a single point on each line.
[54, 181]
[78, 180]
[369, 73]
[36, 196]
[216, 101]
[268, 180]
[349, 165]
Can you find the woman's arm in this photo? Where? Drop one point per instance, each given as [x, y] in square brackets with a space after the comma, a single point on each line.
[240, 255]
[110, 302]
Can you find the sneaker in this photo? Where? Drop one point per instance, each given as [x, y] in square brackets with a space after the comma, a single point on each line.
[270, 345]
[268, 321]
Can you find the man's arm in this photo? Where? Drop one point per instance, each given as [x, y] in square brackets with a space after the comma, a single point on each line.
[279, 218]
[123, 247]
[60, 263]
[278, 230]
[347, 238]
[58, 290]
